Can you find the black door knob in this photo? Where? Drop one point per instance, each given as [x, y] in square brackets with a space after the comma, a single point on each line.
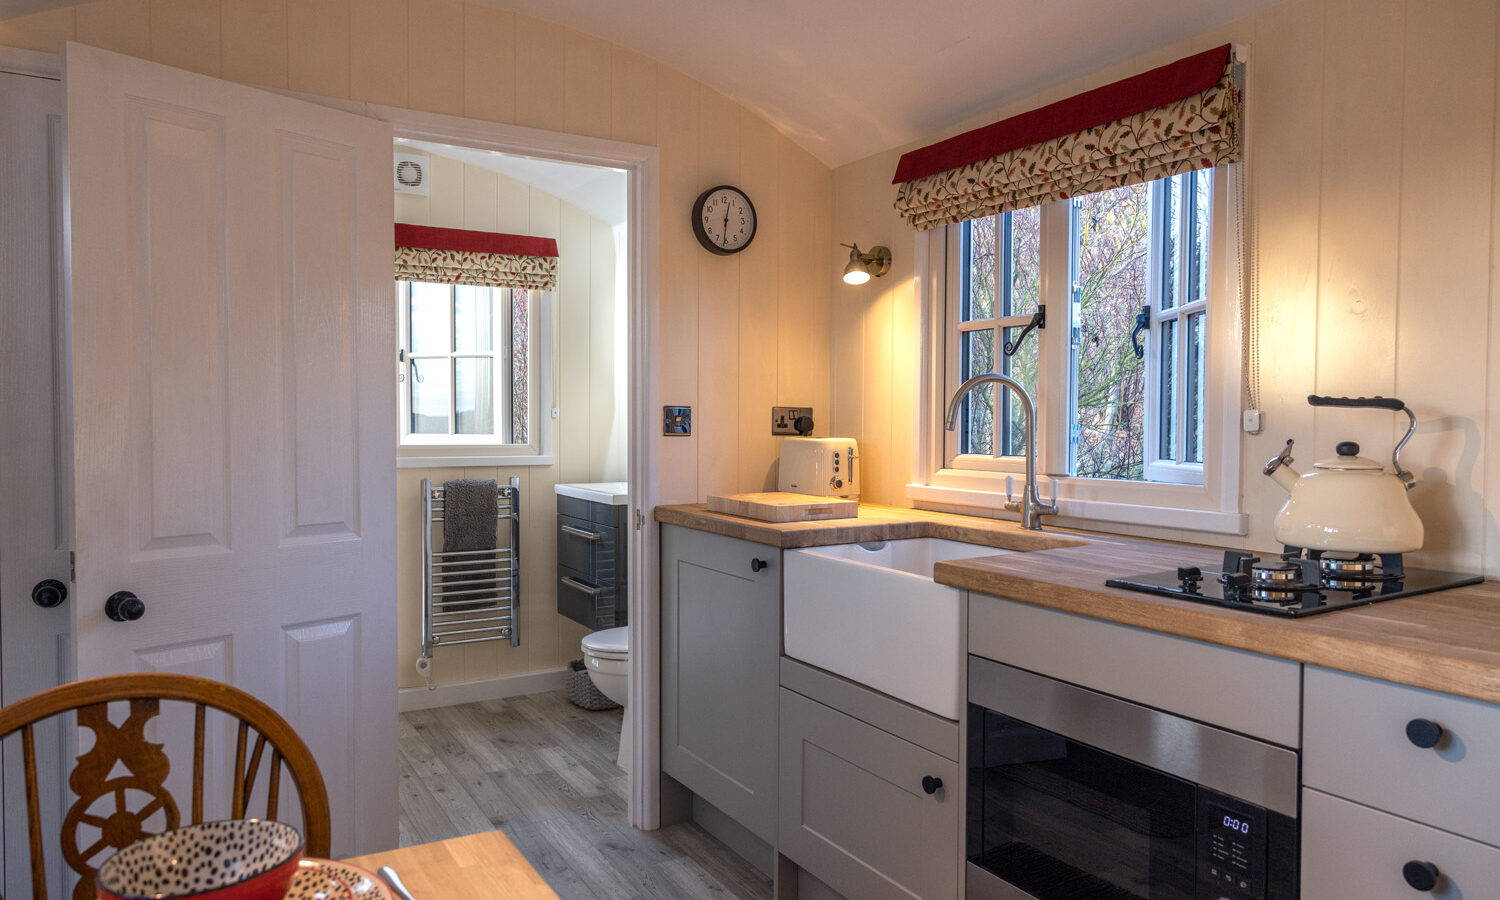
[931, 784]
[49, 593]
[1422, 876]
[1425, 733]
[124, 606]
[757, 564]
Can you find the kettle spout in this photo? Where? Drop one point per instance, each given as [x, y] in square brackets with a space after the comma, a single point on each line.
[1279, 467]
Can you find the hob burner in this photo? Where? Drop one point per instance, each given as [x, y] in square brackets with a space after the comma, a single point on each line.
[1297, 583]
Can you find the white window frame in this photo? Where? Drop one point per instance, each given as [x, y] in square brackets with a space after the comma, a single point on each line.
[978, 484]
[432, 450]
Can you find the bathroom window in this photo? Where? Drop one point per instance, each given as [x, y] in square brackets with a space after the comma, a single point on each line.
[468, 358]
[1130, 396]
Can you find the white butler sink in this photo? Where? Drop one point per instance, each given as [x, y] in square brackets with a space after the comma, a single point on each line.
[872, 613]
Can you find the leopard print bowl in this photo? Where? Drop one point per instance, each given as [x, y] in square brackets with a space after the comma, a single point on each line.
[237, 859]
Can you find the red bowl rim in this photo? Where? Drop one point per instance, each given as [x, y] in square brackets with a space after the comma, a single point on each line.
[292, 858]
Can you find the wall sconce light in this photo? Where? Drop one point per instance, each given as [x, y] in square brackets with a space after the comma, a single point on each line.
[864, 265]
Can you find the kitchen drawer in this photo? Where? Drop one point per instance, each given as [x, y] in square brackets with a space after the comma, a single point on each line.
[1352, 851]
[853, 810]
[1355, 745]
[1190, 678]
[593, 605]
[586, 547]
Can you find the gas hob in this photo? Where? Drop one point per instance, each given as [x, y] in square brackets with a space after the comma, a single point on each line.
[1296, 583]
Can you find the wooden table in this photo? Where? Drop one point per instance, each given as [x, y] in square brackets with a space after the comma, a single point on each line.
[484, 866]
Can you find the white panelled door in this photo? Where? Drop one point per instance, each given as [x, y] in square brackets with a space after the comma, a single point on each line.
[34, 504]
[233, 417]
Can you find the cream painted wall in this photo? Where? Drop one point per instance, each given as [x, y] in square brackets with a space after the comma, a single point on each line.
[585, 442]
[738, 334]
[1372, 159]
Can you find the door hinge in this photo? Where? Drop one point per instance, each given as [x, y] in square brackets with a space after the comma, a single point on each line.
[72, 567]
[640, 520]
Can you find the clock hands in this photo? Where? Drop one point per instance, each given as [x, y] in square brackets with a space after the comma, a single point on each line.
[726, 221]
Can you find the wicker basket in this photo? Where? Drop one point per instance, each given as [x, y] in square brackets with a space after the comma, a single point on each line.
[582, 692]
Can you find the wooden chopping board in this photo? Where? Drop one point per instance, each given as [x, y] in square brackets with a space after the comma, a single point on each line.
[783, 506]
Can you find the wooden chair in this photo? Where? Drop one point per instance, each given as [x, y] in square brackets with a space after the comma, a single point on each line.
[148, 764]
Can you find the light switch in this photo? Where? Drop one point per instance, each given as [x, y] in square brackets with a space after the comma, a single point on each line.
[677, 420]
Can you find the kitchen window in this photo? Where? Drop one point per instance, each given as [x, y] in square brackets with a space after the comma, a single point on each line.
[1118, 313]
[468, 364]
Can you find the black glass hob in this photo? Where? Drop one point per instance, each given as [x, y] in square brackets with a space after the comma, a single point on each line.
[1296, 583]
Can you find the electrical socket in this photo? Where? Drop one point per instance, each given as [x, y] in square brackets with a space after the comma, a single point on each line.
[783, 418]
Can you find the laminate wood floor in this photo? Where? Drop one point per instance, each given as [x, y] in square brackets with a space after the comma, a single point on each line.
[543, 771]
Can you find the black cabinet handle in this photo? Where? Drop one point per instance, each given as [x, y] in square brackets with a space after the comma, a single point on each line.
[124, 606]
[49, 593]
[757, 564]
[1422, 876]
[930, 784]
[1425, 733]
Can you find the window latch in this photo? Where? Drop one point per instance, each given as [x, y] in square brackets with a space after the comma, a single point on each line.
[1038, 320]
[1142, 322]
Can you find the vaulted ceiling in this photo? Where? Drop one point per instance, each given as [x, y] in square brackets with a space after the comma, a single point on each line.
[848, 78]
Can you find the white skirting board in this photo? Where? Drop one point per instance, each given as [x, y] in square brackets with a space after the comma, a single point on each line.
[424, 697]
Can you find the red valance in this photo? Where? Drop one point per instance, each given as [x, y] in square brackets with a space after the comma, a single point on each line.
[1179, 117]
[479, 258]
[1126, 97]
[426, 237]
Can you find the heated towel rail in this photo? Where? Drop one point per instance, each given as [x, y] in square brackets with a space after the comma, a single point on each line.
[470, 596]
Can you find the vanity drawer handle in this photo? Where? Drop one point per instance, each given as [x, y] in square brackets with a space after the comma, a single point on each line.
[579, 532]
[577, 585]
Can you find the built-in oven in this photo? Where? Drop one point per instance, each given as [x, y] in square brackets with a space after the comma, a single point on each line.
[1074, 794]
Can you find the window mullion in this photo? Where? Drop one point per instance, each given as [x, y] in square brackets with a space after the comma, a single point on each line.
[1054, 374]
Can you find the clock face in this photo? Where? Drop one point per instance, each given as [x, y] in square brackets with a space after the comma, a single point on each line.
[724, 220]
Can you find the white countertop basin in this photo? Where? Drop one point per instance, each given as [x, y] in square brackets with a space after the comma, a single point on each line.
[612, 493]
[872, 613]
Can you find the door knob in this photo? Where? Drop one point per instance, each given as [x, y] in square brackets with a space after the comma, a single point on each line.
[757, 564]
[931, 784]
[49, 593]
[124, 606]
[1422, 876]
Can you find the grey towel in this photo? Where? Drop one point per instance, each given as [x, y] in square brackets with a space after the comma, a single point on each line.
[470, 507]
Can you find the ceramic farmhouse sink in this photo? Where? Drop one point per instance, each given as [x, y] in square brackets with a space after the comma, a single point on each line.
[872, 613]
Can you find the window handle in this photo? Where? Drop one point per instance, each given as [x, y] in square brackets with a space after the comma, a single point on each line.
[1038, 320]
[1142, 322]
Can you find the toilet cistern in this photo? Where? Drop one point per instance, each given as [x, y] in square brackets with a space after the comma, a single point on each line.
[1030, 506]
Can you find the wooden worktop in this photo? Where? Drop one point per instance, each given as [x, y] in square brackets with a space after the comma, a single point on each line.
[1446, 641]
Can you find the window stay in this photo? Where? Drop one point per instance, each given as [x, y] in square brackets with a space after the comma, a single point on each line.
[1038, 320]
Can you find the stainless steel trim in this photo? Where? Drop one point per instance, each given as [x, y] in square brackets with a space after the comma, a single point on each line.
[579, 532]
[980, 884]
[1257, 772]
[580, 586]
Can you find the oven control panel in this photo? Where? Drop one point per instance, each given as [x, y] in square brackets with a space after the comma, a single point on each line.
[1231, 848]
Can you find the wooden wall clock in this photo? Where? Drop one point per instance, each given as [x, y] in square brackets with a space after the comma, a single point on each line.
[724, 220]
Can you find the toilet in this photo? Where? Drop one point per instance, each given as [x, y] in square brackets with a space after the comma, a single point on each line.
[606, 655]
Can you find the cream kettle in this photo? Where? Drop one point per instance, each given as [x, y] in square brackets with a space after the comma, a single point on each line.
[1348, 502]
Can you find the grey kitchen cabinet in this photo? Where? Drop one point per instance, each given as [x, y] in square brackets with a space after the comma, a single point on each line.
[721, 637]
[856, 812]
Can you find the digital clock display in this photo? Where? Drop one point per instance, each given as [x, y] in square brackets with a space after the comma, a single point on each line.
[1238, 825]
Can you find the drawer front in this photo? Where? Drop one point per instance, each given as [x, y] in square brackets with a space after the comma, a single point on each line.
[589, 511]
[1353, 851]
[586, 603]
[853, 812]
[1356, 746]
[586, 547]
[1190, 678]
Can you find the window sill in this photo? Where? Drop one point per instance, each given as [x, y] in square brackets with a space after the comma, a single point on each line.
[456, 462]
[1205, 520]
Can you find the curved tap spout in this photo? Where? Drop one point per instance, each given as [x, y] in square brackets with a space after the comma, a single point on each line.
[1032, 507]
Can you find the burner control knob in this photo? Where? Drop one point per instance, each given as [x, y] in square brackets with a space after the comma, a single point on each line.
[1422, 876]
[1236, 584]
[1424, 733]
[1189, 576]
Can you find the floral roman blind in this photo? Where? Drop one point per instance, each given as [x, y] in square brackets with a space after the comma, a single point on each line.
[1179, 117]
[479, 258]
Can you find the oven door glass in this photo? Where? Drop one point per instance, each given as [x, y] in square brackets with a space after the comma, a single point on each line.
[1063, 821]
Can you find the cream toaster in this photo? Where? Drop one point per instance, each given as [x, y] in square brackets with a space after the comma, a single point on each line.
[826, 467]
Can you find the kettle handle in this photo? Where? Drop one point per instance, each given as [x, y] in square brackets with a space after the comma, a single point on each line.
[1390, 403]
